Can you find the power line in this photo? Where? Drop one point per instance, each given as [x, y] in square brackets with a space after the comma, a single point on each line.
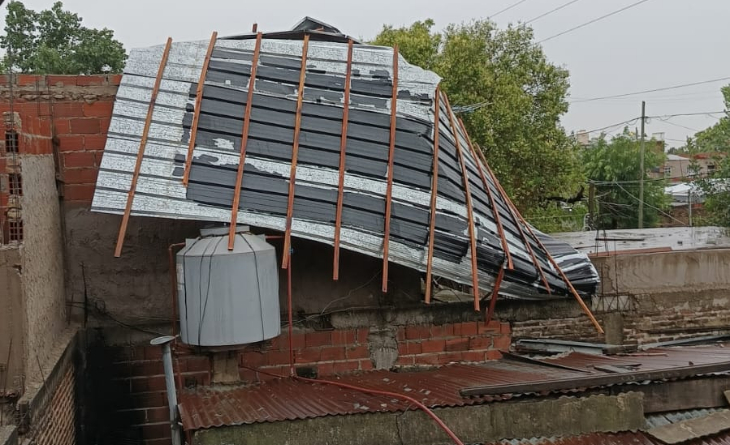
[649, 205]
[593, 21]
[664, 118]
[654, 90]
[551, 11]
[507, 9]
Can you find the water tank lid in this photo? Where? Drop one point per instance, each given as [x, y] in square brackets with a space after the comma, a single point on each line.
[245, 243]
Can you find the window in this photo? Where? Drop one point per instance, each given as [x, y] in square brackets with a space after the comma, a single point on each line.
[16, 184]
[16, 230]
[11, 141]
[667, 171]
[710, 168]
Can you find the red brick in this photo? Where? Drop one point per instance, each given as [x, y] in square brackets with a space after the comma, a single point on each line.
[457, 344]
[276, 357]
[155, 415]
[78, 192]
[446, 330]
[413, 347]
[104, 124]
[35, 145]
[313, 339]
[156, 430]
[70, 143]
[308, 355]
[427, 359]
[465, 329]
[67, 109]
[357, 352]
[362, 335]
[152, 352]
[449, 357]
[27, 79]
[346, 367]
[253, 359]
[80, 159]
[473, 356]
[505, 328]
[115, 79]
[433, 346]
[325, 369]
[98, 109]
[494, 355]
[503, 342]
[480, 343]
[400, 334]
[333, 353]
[418, 332]
[85, 126]
[147, 384]
[60, 80]
[80, 175]
[94, 141]
[493, 326]
[405, 360]
[343, 337]
[192, 364]
[366, 365]
[86, 81]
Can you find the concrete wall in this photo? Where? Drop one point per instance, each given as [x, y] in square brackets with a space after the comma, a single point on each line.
[42, 262]
[472, 424]
[644, 298]
[12, 322]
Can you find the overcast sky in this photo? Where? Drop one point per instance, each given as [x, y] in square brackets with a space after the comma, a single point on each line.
[656, 44]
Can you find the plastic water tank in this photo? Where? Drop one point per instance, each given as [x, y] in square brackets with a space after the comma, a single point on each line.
[227, 297]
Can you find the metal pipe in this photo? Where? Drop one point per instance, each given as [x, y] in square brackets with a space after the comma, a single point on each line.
[164, 342]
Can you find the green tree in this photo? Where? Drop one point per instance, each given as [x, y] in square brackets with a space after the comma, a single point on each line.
[54, 41]
[614, 167]
[523, 97]
[716, 186]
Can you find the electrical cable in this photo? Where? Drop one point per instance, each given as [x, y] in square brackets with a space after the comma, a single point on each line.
[653, 90]
[551, 11]
[506, 9]
[649, 205]
[592, 21]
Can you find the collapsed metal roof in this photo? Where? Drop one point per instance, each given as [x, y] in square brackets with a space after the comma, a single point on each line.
[337, 143]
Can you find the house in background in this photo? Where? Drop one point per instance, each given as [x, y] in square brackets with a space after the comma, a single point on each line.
[678, 168]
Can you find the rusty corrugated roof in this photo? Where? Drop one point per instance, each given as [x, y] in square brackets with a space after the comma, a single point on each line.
[625, 438]
[287, 399]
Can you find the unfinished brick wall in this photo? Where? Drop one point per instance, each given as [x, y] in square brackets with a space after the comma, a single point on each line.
[134, 390]
[57, 424]
[67, 116]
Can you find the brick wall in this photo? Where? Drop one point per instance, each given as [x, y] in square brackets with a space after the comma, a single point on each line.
[57, 425]
[130, 383]
[64, 116]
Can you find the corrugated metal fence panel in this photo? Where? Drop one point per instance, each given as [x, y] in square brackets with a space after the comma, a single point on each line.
[264, 190]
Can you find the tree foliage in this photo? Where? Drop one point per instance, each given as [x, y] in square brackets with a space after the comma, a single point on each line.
[524, 95]
[54, 41]
[715, 140]
[614, 167]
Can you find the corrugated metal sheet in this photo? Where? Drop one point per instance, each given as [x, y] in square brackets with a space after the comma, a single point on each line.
[662, 419]
[286, 399]
[264, 192]
[625, 438]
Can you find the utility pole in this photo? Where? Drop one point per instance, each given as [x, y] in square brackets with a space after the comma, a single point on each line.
[641, 168]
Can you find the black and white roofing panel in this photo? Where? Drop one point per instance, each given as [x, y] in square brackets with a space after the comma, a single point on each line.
[263, 196]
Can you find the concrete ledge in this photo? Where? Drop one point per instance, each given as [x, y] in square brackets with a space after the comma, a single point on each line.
[36, 398]
[473, 424]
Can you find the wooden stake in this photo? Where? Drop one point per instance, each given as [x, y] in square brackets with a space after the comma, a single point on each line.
[391, 152]
[343, 147]
[294, 155]
[244, 142]
[196, 112]
[140, 152]
[434, 192]
[469, 208]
